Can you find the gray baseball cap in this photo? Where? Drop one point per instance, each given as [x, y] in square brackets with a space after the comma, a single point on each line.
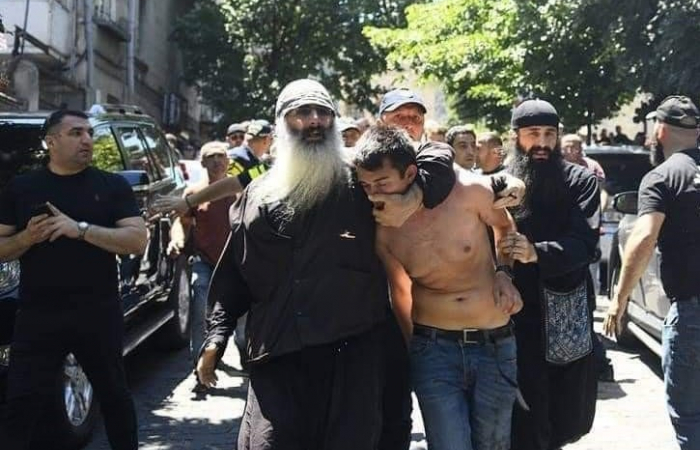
[393, 100]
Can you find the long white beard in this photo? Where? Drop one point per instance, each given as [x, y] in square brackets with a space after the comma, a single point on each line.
[303, 174]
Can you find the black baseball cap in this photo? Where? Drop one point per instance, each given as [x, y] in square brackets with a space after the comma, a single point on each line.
[678, 111]
[393, 100]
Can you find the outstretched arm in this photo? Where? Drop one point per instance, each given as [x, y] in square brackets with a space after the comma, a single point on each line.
[225, 187]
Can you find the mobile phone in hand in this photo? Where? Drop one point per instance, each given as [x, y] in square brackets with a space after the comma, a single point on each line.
[41, 208]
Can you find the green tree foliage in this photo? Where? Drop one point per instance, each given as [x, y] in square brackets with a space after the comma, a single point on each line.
[490, 53]
[663, 42]
[574, 57]
[469, 46]
[242, 52]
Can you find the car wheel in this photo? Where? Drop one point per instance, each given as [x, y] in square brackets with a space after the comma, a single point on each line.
[176, 333]
[624, 337]
[71, 417]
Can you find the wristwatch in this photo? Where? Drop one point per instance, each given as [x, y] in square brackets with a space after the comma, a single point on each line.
[82, 229]
[507, 270]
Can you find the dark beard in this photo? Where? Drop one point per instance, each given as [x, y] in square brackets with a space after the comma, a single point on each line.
[304, 134]
[545, 183]
[656, 155]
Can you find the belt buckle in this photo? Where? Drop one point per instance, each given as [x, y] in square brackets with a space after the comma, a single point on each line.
[465, 334]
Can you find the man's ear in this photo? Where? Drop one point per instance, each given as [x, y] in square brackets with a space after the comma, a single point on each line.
[513, 135]
[411, 172]
[662, 130]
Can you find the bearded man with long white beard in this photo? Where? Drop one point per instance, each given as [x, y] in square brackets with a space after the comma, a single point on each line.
[301, 261]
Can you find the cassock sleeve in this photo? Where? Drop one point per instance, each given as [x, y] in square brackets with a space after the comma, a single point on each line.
[229, 296]
[577, 247]
[436, 175]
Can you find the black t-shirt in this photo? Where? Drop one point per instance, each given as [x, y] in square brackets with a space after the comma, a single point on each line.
[68, 267]
[670, 189]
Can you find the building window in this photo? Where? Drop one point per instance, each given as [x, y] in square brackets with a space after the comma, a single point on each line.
[106, 9]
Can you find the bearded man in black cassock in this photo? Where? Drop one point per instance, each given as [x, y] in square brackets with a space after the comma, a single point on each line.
[555, 242]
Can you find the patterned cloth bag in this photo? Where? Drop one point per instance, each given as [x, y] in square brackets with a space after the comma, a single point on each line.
[567, 325]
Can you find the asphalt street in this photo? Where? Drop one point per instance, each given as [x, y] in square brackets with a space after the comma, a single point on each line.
[630, 412]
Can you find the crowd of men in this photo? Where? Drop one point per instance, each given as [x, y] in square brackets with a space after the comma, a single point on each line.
[357, 263]
[437, 309]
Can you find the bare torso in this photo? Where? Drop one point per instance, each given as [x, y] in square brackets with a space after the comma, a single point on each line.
[447, 254]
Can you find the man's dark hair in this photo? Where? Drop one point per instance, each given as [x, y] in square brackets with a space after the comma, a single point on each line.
[382, 142]
[56, 118]
[455, 131]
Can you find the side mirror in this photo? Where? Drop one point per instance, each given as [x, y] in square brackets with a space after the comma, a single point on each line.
[625, 202]
[136, 178]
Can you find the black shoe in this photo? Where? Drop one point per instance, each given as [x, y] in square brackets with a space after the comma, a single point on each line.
[199, 388]
[607, 373]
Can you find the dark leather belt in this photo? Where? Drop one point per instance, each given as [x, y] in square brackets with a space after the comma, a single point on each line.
[467, 335]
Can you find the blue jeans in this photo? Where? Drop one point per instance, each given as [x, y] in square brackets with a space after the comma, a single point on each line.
[465, 391]
[201, 277]
[681, 365]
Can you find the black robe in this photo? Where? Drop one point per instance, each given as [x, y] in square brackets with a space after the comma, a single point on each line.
[561, 398]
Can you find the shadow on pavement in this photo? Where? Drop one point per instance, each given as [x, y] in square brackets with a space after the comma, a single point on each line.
[170, 416]
[608, 390]
[638, 351]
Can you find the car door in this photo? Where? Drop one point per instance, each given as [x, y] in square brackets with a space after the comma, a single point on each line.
[170, 182]
[107, 155]
[656, 301]
[146, 271]
[638, 297]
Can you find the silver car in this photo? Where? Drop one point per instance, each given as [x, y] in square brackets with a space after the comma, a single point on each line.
[648, 303]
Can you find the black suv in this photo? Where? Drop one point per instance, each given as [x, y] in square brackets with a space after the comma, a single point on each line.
[154, 289]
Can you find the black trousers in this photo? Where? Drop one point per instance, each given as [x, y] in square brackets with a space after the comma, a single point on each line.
[328, 397]
[397, 403]
[44, 334]
[561, 398]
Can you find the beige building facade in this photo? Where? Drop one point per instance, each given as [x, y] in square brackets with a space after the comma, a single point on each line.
[46, 56]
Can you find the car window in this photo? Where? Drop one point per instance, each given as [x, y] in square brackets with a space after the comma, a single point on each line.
[21, 149]
[159, 150]
[105, 153]
[135, 149]
[623, 172]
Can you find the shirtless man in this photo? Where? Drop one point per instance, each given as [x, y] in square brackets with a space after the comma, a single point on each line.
[442, 275]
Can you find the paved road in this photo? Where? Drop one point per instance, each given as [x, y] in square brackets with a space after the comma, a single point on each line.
[631, 414]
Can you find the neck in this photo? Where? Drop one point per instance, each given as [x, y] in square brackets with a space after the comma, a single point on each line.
[491, 164]
[63, 170]
[257, 149]
[214, 178]
[675, 147]
[492, 168]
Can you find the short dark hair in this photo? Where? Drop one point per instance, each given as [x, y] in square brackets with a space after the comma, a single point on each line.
[455, 131]
[491, 138]
[56, 118]
[382, 142]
